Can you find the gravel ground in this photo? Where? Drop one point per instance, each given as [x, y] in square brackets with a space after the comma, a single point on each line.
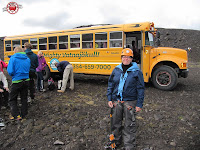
[79, 119]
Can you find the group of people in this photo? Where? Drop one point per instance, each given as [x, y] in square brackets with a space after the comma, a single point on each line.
[24, 67]
[125, 91]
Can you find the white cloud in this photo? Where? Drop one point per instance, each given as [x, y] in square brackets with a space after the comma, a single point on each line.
[48, 15]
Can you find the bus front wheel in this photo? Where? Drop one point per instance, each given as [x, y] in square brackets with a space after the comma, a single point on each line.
[46, 73]
[165, 78]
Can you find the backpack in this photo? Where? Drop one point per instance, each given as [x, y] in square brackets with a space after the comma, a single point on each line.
[51, 84]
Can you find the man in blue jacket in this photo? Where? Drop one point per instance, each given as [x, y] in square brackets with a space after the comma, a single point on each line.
[125, 97]
[18, 68]
[34, 64]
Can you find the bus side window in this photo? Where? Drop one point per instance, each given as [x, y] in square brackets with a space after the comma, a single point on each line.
[101, 40]
[52, 43]
[15, 43]
[87, 40]
[34, 42]
[8, 45]
[116, 39]
[43, 43]
[63, 42]
[75, 41]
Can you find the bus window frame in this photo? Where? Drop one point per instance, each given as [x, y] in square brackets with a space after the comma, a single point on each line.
[24, 42]
[67, 42]
[16, 45]
[101, 41]
[8, 46]
[75, 48]
[90, 42]
[55, 44]
[40, 38]
[33, 44]
[122, 37]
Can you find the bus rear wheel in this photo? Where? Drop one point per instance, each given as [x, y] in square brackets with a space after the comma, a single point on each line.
[46, 73]
[165, 78]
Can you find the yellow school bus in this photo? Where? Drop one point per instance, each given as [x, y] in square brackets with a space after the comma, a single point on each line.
[97, 50]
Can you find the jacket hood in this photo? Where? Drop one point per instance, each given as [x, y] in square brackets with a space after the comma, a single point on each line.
[132, 68]
[20, 55]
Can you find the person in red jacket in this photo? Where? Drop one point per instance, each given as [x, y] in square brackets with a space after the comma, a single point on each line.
[4, 91]
[2, 65]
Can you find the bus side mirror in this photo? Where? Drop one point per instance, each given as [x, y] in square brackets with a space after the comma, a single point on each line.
[158, 34]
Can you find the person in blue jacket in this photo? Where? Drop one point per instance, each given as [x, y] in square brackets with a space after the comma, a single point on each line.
[32, 73]
[18, 68]
[125, 97]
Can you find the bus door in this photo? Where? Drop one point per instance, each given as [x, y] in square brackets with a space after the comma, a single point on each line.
[133, 41]
[148, 46]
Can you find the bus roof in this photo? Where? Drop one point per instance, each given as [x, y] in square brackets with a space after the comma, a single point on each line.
[144, 26]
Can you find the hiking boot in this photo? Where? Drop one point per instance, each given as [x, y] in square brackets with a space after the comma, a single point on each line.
[71, 88]
[29, 100]
[19, 118]
[60, 91]
[42, 90]
[11, 117]
[110, 145]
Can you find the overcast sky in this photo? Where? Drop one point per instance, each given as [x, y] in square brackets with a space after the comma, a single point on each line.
[49, 15]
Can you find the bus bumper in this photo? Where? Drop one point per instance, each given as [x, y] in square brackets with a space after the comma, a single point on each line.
[184, 73]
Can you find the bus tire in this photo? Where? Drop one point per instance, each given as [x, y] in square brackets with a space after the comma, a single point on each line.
[165, 78]
[46, 73]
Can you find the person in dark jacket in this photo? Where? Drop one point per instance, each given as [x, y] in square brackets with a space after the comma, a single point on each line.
[18, 68]
[125, 97]
[34, 64]
[67, 69]
[136, 53]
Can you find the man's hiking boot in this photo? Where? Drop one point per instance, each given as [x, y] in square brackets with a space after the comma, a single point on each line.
[17, 118]
[11, 118]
